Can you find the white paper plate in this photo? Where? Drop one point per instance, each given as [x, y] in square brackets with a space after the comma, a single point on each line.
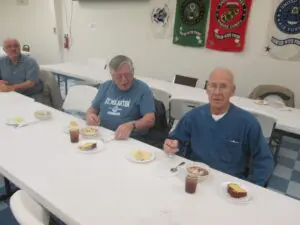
[132, 159]
[244, 200]
[100, 147]
[13, 121]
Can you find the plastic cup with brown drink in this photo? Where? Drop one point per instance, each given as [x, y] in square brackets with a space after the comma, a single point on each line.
[191, 181]
[74, 134]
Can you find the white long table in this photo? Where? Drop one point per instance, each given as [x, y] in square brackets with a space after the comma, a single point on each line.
[287, 119]
[7, 98]
[106, 188]
[78, 71]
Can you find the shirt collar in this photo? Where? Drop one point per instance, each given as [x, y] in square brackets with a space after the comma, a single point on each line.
[118, 89]
[20, 60]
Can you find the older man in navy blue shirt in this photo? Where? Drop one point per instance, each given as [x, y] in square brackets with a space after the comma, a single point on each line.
[18, 72]
[223, 135]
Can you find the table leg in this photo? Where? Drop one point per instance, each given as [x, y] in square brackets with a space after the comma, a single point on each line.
[279, 134]
[277, 148]
[8, 190]
[7, 185]
[275, 143]
[58, 78]
[66, 86]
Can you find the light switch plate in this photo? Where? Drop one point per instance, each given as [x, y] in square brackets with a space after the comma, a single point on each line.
[92, 26]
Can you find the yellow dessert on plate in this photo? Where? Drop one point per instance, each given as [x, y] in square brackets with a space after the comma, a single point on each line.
[260, 102]
[236, 191]
[89, 131]
[88, 146]
[73, 124]
[140, 155]
[18, 120]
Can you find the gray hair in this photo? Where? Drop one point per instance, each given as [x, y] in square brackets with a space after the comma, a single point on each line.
[119, 60]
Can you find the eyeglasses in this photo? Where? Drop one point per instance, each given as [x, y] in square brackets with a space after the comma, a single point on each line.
[215, 86]
[120, 76]
[11, 46]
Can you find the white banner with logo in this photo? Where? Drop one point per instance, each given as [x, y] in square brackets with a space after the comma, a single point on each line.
[161, 18]
[284, 30]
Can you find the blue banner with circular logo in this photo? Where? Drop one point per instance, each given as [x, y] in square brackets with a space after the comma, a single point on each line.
[284, 31]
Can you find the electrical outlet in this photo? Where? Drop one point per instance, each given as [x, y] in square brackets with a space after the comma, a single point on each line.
[22, 2]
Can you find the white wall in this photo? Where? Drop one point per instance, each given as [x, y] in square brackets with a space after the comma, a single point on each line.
[123, 27]
[31, 24]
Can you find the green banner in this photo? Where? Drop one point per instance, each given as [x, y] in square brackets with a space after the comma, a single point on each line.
[190, 22]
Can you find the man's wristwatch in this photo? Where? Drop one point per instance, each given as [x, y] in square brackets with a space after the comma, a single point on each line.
[133, 127]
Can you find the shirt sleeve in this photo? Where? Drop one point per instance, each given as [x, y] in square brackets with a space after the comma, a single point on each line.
[0, 68]
[262, 164]
[32, 70]
[147, 102]
[182, 133]
[100, 95]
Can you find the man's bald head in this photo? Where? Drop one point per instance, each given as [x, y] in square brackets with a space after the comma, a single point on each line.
[12, 48]
[9, 41]
[222, 74]
[220, 88]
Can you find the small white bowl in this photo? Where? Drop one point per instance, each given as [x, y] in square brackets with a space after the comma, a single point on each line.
[43, 115]
[89, 131]
[204, 172]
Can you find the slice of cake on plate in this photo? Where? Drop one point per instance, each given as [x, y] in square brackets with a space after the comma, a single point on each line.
[236, 191]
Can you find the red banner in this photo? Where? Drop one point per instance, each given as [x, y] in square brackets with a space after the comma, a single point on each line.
[228, 24]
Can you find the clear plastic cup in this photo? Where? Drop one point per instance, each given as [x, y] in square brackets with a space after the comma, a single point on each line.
[191, 182]
[74, 134]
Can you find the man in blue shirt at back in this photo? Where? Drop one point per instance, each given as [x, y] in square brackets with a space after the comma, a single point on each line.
[18, 72]
[222, 135]
[123, 104]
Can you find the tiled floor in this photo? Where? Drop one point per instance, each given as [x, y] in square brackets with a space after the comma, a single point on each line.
[6, 217]
[286, 176]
